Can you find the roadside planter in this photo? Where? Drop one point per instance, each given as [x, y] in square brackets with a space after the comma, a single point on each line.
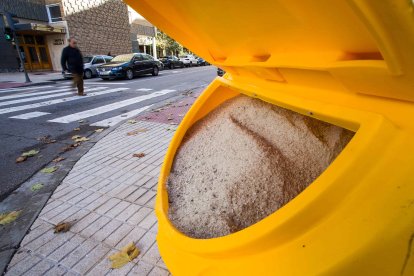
[310, 68]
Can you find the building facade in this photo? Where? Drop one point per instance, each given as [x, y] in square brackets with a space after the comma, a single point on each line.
[100, 27]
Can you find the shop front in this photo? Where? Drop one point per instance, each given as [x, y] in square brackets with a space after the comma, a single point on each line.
[33, 44]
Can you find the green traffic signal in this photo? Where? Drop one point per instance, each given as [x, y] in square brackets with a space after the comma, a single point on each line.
[8, 34]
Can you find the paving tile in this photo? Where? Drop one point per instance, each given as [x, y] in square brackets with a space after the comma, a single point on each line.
[157, 271]
[152, 256]
[141, 268]
[66, 248]
[120, 233]
[139, 215]
[90, 259]
[134, 236]
[57, 270]
[53, 244]
[107, 230]
[148, 221]
[24, 266]
[95, 227]
[128, 212]
[79, 253]
[86, 221]
[145, 197]
[40, 269]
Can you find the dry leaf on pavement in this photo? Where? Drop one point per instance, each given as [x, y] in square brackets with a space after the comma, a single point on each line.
[81, 121]
[8, 217]
[81, 139]
[58, 159]
[74, 137]
[21, 159]
[99, 130]
[30, 153]
[135, 132]
[139, 155]
[131, 121]
[62, 227]
[127, 254]
[36, 187]
[76, 129]
[49, 169]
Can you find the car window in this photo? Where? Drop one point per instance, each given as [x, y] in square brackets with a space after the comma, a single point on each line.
[87, 59]
[98, 60]
[145, 57]
[108, 59]
[149, 57]
[137, 58]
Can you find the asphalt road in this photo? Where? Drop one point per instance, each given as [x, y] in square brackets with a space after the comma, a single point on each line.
[53, 111]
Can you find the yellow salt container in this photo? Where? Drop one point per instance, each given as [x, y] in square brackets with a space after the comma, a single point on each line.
[349, 63]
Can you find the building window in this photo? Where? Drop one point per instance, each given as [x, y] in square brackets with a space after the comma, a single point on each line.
[54, 13]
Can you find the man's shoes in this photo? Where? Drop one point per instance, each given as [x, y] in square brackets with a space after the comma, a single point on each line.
[84, 94]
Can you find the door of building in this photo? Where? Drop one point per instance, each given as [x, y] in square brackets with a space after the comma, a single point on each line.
[35, 52]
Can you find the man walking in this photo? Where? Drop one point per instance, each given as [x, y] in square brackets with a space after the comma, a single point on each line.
[72, 61]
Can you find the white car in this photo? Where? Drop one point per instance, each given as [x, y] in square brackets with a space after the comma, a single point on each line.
[188, 60]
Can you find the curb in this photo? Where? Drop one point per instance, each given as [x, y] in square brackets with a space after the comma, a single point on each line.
[11, 235]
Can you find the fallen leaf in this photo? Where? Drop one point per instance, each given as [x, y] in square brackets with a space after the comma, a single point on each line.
[36, 187]
[127, 254]
[46, 139]
[135, 132]
[81, 139]
[62, 227]
[99, 130]
[6, 218]
[172, 128]
[81, 121]
[30, 153]
[49, 169]
[76, 129]
[74, 137]
[58, 159]
[131, 121]
[169, 118]
[139, 155]
[21, 159]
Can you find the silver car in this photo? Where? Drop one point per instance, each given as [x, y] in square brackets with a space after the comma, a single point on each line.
[89, 64]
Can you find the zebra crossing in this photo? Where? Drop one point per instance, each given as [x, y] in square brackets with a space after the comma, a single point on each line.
[35, 102]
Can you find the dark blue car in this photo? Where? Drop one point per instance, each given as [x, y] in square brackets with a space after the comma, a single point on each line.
[128, 66]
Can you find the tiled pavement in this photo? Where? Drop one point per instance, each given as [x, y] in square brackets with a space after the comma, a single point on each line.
[109, 195]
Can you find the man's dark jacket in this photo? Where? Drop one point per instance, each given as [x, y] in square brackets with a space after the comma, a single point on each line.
[72, 60]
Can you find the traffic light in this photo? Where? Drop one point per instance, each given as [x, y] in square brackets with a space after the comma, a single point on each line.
[8, 34]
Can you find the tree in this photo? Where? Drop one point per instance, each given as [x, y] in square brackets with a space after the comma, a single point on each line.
[168, 44]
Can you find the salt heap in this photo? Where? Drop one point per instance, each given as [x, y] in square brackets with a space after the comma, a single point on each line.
[242, 162]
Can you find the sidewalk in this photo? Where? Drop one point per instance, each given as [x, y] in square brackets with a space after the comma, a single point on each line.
[110, 196]
[16, 79]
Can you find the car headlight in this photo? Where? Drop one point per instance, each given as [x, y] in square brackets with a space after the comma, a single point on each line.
[117, 68]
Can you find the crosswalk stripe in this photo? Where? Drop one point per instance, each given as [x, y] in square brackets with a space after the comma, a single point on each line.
[31, 99]
[116, 119]
[23, 89]
[145, 89]
[105, 83]
[109, 107]
[30, 115]
[57, 101]
[29, 94]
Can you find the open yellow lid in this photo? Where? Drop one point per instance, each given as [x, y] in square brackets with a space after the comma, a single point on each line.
[365, 46]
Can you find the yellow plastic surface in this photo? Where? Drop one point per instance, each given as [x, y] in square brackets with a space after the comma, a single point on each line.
[350, 63]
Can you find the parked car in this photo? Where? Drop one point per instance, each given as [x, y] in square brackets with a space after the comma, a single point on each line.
[90, 63]
[172, 62]
[188, 60]
[202, 62]
[128, 66]
[220, 72]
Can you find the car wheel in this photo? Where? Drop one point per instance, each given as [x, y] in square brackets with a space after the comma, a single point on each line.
[172, 66]
[182, 65]
[191, 64]
[88, 74]
[155, 71]
[129, 74]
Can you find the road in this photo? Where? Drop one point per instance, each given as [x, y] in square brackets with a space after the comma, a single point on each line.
[53, 111]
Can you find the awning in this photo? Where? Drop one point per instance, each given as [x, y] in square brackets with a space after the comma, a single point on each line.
[35, 27]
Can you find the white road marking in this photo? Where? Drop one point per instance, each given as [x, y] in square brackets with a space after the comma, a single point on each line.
[172, 75]
[109, 107]
[57, 101]
[174, 72]
[144, 89]
[104, 83]
[116, 119]
[30, 115]
[29, 94]
[31, 99]
[23, 89]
